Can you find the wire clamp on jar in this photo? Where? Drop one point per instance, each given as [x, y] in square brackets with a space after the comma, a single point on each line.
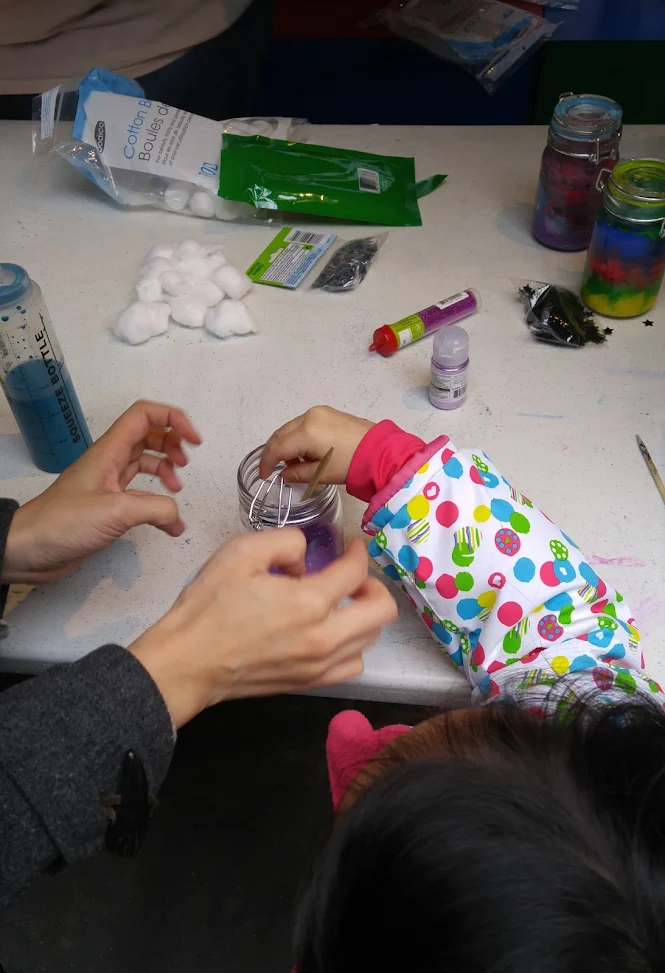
[258, 504]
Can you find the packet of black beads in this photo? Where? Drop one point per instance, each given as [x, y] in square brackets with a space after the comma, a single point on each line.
[557, 315]
[349, 264]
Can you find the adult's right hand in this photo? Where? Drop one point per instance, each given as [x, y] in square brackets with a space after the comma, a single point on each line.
[239, 630]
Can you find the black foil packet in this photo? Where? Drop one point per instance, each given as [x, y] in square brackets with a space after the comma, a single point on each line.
[557, 315]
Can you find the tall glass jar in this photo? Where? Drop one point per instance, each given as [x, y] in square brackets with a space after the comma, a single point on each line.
[626, 258]
[582, 149]
[320, 518]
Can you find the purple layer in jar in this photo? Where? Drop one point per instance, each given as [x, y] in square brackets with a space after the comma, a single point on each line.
[568, 199]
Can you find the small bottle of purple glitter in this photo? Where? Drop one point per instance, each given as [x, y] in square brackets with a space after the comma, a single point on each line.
[449, 375]
[320, 518]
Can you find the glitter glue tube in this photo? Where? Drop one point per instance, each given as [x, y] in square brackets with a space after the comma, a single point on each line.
[390, 337]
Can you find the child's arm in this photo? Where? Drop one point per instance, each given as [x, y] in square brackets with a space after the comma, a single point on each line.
[496, 582]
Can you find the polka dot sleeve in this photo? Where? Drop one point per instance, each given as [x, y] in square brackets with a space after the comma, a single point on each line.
[497, 583]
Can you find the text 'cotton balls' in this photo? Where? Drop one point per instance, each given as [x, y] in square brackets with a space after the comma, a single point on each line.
[193, 284]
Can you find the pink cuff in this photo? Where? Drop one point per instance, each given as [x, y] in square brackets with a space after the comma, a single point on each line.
[384, 451]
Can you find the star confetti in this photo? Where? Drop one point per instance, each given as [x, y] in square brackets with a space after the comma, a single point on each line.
[648, 323]
[608, 330]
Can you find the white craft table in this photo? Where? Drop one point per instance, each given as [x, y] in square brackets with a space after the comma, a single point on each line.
[560, 423]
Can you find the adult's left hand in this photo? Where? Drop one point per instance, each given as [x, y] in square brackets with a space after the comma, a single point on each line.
[89, 506]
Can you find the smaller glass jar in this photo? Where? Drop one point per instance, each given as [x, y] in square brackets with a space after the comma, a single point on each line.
[582, 149]
[320, 518]
[626, 259]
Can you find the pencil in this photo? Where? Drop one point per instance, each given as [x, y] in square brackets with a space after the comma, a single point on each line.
[318, 473]
[660, 486]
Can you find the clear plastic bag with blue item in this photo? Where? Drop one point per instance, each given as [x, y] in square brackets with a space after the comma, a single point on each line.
[487, 38]
[142, 152]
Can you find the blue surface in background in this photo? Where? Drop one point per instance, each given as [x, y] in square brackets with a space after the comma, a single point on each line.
[388, 81]
[611, 20]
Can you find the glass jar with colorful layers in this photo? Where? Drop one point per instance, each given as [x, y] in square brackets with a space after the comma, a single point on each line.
[626, 259]
[582, 149]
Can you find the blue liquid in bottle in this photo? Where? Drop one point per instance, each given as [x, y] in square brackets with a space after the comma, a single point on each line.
[34, 376]
[49, 416]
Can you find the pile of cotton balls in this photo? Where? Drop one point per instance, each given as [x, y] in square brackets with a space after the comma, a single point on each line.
[192, 283]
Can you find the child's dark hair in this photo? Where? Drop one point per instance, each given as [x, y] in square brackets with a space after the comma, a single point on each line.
[542, 851]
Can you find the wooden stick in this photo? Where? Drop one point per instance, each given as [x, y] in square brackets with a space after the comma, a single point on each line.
[318, 473]
[660, 486]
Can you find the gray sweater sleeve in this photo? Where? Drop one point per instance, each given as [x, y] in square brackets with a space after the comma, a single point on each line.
[63, 737]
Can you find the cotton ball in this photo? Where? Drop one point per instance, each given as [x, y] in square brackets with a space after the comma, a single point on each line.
[142, 320]
[226, 209]
[176, 196]
[194, 266]
[214, 250]
[202, 204]
[149, 289]
[189, 248]
[177, 284]
[154, 267]
[210, 264]
[229, 317]
[214, 260]
[208, 293]
[129, 197]
[232, 281]
[164, 250]
[188, 311]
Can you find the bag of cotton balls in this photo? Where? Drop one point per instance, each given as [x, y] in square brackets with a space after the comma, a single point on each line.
[191, 283]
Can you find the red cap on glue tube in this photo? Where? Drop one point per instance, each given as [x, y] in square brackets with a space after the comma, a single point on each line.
[385, 341]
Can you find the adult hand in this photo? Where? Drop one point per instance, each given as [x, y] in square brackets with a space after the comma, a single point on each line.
[304, 441]
[238, 630]
[89, 505]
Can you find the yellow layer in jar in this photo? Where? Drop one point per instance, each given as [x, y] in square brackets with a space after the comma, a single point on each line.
[623, 307]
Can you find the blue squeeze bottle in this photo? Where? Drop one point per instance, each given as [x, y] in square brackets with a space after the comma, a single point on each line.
[34, 375]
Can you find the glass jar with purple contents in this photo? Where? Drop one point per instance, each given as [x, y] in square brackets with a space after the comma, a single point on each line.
[582, 149]
[280, 505]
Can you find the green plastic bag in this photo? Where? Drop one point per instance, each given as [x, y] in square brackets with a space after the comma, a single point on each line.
[322, 181]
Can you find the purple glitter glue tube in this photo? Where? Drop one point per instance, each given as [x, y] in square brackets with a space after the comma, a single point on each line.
[389, 338]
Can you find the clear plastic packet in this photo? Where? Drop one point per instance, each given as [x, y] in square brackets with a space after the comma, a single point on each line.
[557, 315]
[294, 255]
[349, 264]
[488, 38]
[141, 152]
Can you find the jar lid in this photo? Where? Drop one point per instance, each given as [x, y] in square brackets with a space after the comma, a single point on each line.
[451, 347]
[586, 118]
[14, 283]
[636, 190]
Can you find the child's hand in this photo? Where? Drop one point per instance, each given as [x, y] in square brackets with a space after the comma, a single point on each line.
[308, 438]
